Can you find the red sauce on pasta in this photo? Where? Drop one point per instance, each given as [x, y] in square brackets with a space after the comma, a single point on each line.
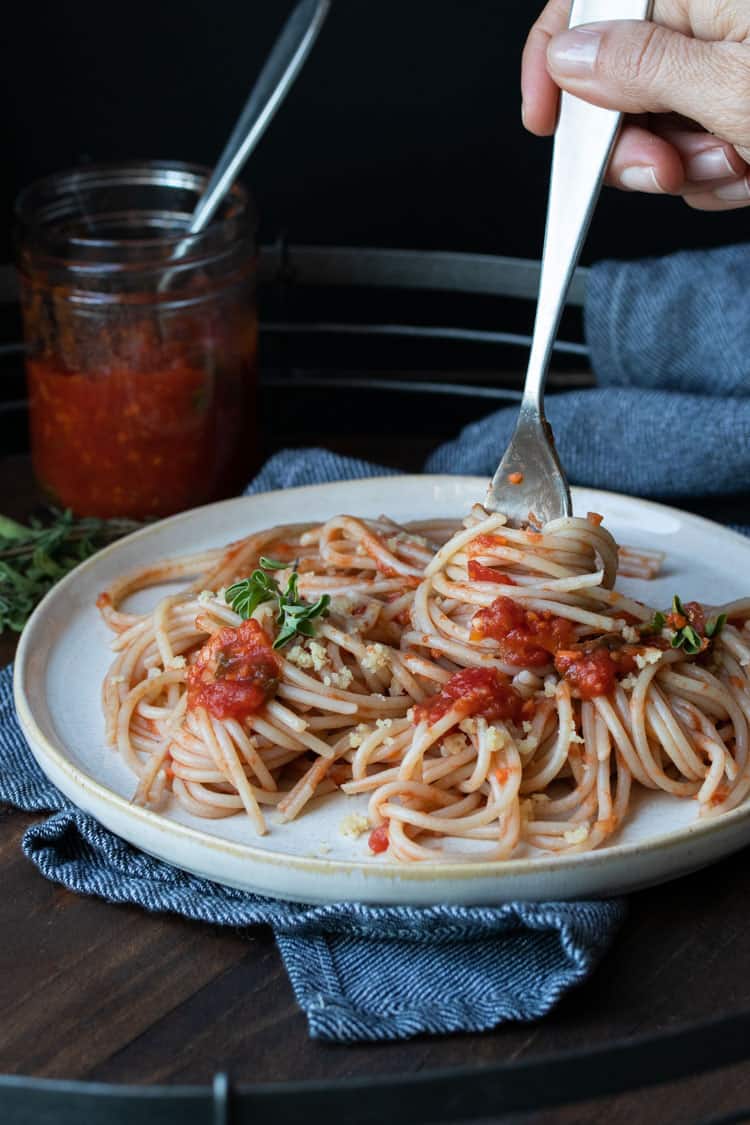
[595, 671]
[528, 639]
[378, 839]
[483, 543]
[479, 573]
[473, 691]
[235, 674]
[589, 674]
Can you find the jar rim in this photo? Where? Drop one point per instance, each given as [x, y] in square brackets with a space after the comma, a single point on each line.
[42, 205]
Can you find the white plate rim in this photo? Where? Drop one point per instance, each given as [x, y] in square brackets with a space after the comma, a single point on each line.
[46, 752]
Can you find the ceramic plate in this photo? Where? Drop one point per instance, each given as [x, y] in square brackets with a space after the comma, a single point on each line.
[63, 656]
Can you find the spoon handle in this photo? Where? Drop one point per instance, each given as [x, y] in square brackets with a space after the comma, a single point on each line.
[274, 81]
[584, 140]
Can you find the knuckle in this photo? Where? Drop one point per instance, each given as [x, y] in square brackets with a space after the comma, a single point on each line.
[728, 70]
[737, 79]
[553, 18]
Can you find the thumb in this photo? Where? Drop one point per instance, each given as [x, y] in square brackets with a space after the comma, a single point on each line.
[639, 67]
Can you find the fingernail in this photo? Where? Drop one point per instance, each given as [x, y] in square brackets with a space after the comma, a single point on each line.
[713, 164]
[640, 177]
[734, 193]
[573, 53]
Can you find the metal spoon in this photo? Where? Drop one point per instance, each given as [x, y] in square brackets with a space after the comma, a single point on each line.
[282, 66]
[529, 484]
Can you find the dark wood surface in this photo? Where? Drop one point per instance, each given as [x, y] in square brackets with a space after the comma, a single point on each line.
[95, 991]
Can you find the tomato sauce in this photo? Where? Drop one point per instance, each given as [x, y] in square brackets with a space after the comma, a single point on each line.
[479, 573]
[144, 435]
[595, 670]
[484, 543]
[236, 672]
[473, 691]
[528, 639]
[378, 839]
[589, 674]
[140, 358]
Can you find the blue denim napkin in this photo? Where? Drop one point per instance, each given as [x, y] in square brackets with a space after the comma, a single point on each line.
[670, 416]
[359, 972]
[671, 419]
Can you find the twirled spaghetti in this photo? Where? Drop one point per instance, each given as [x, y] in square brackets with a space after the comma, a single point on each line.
[477, 682]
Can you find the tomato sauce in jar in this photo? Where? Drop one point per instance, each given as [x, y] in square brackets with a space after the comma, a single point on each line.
[141, 366]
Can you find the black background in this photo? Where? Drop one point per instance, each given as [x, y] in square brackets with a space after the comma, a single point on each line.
[403, 130]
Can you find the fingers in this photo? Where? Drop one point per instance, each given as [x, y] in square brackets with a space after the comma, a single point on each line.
[636, 66]
[644, 161]
[706, 159]
[668, 156]
[642, 68]
[540, 94]
[712, 201]
[538, 91]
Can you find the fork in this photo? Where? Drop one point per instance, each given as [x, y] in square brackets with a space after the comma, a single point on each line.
[529, 485]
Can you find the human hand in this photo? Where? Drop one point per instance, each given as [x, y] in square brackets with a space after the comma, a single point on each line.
[683, 80]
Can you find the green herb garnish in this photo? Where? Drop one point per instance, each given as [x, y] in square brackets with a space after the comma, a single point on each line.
[686, 636]
[294, 617]
[245, 596]
[688, 639]
[715, 625]
[272, 564]
[34, 557]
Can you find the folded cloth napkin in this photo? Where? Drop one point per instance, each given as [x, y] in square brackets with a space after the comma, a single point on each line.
[359, 972]
[670, 417]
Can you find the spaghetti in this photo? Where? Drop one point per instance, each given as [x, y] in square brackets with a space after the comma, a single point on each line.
[477, 682]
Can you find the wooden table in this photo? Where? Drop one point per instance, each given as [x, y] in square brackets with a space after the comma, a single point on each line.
[110, 993]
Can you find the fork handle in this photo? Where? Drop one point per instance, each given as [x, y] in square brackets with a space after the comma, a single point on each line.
[584, 140]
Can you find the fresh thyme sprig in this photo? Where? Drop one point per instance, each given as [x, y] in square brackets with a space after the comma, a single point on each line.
[293, 617]
[34, 557]
[687, 636]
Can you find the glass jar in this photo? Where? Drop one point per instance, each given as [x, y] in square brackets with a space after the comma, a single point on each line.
[141, 340]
